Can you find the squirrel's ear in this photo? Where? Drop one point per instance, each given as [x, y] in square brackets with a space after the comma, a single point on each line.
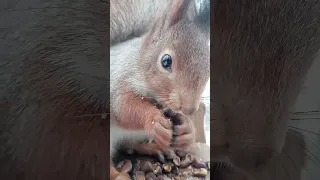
[178, 11]
[192, 11]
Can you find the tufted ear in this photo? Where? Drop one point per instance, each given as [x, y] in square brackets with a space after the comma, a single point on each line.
[187, 9]
[179, 10]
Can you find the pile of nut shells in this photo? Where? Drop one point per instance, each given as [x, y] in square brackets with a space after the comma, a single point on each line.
[168, 166]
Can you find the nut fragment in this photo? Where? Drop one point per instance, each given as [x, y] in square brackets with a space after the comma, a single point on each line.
[177, 178]
[161, 177]
[167, 167]
[186, 171]
[161, 157]
[186, 161]
[170, 175]
[202, 172]
[175, 170]
[198, 164]
[170, 154]
[140, 175]
[168, 113]
[181, 153]
[157, 168]
[136, 168]
[146, 166]
[176, 161]
[150, 176]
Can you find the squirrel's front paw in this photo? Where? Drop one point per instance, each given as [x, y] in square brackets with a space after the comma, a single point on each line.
[116, 175]
[159, 129]
[185, 133]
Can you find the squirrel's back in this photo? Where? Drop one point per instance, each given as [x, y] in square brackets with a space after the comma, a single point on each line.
[133, 18]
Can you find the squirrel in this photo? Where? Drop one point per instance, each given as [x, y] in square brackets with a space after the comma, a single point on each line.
[169, 65]
[261, 51]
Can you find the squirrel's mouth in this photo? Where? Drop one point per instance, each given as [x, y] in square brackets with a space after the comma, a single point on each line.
[161, 105]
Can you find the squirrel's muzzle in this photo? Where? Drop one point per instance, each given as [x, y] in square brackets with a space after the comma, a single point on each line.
[190, 108]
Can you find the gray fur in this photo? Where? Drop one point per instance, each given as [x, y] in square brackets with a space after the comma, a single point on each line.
[133, 18]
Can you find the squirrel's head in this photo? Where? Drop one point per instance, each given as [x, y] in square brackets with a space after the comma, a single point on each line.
[175, 57]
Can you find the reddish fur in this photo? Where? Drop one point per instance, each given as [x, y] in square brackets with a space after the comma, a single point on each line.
[135, 113]
[197, 126]
[175, 10]
[164, 92]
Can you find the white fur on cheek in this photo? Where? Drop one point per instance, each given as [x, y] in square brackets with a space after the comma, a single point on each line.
[139, 86]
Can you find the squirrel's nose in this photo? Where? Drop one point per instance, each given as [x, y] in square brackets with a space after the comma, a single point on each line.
[189, 109]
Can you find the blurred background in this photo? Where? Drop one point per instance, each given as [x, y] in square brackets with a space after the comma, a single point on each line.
[206, 100]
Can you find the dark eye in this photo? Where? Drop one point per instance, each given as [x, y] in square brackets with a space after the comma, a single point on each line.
[166, 62]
